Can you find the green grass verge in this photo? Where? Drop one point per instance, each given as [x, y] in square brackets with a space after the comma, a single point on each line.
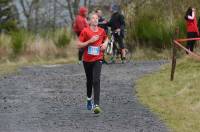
[177, 102]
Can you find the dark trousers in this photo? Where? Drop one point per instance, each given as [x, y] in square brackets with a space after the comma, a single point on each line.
[119, 40]
[80, 54]
[93, 72]
[190, 44]
[80, 51]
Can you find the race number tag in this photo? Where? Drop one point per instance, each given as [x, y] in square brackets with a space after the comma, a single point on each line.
[93, 50]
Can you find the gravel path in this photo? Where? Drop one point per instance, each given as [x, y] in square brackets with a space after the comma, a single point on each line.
[52, 99]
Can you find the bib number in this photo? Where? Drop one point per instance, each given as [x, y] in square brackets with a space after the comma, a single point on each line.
[93, 50]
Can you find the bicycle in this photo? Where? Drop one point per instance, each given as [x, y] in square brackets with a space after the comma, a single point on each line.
[113, 52]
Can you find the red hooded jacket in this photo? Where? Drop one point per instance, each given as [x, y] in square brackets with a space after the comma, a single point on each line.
[80, 21]
[192, 26]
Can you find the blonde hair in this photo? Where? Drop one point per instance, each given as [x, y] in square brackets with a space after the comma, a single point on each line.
[91, 15]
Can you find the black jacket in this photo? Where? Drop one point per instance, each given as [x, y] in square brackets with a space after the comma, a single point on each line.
[117, 21]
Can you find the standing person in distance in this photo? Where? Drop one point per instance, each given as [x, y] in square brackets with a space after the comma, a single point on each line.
[79, 24]
[192, 28]
[94, 41]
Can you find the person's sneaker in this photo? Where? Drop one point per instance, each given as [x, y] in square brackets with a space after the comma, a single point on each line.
[89, 105]
[97, 109]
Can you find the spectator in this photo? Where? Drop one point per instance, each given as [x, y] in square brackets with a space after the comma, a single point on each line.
[192, 28]
[79, 24]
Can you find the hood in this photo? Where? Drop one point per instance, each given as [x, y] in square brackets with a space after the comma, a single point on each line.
[82, 11]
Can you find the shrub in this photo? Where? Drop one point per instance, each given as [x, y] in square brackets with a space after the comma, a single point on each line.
[5, 42]
[62, 39]
[150, 30]
[18, 42]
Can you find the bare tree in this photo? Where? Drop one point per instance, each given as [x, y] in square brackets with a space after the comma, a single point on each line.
[85, 2]
[72, 7]
[42, 14]
[54, 14]
[70, 10]
[28, 7]
[89, 4]
[76, 6]
[37, 7]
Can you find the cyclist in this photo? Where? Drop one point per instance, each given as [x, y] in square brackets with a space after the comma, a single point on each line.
[117, 25]
[79, 24]
[94, 41]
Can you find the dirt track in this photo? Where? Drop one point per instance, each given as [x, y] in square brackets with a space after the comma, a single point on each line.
[52, 99]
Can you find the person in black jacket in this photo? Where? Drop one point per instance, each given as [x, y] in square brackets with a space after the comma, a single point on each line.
[117, 24]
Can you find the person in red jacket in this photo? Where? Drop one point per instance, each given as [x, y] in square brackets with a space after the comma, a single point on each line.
[79, 24]
[94, 41]
[192, 27]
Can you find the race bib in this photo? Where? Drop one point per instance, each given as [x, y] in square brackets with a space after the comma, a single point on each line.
[93, 50]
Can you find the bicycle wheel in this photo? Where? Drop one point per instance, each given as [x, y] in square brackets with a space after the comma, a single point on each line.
[109, 48]
[108, 53]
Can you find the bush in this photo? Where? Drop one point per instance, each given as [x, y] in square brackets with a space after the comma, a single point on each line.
[152, 26]
[9, 26]
[18, 42]
[62, 39]
[182, 28]
[152, 31]
[5, 42]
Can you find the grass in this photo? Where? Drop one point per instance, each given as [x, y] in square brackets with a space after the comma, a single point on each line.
[150, 54]
[177, 102]
[12, 67]
[8, 67]
[23, 48]
[37, 56]
[43, 52]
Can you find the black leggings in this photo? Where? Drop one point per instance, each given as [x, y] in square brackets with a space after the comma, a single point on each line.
[190, 44]
[80, 51]
[93, 72]
[119, 40]
[80, 54]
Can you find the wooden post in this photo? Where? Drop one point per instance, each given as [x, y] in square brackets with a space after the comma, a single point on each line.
[174, 54]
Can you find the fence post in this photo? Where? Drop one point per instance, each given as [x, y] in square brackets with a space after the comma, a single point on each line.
[174, 54]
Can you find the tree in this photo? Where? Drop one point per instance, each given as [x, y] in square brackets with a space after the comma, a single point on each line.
[28, 7]
[72, 6]
[7, 20]
[85, 2]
